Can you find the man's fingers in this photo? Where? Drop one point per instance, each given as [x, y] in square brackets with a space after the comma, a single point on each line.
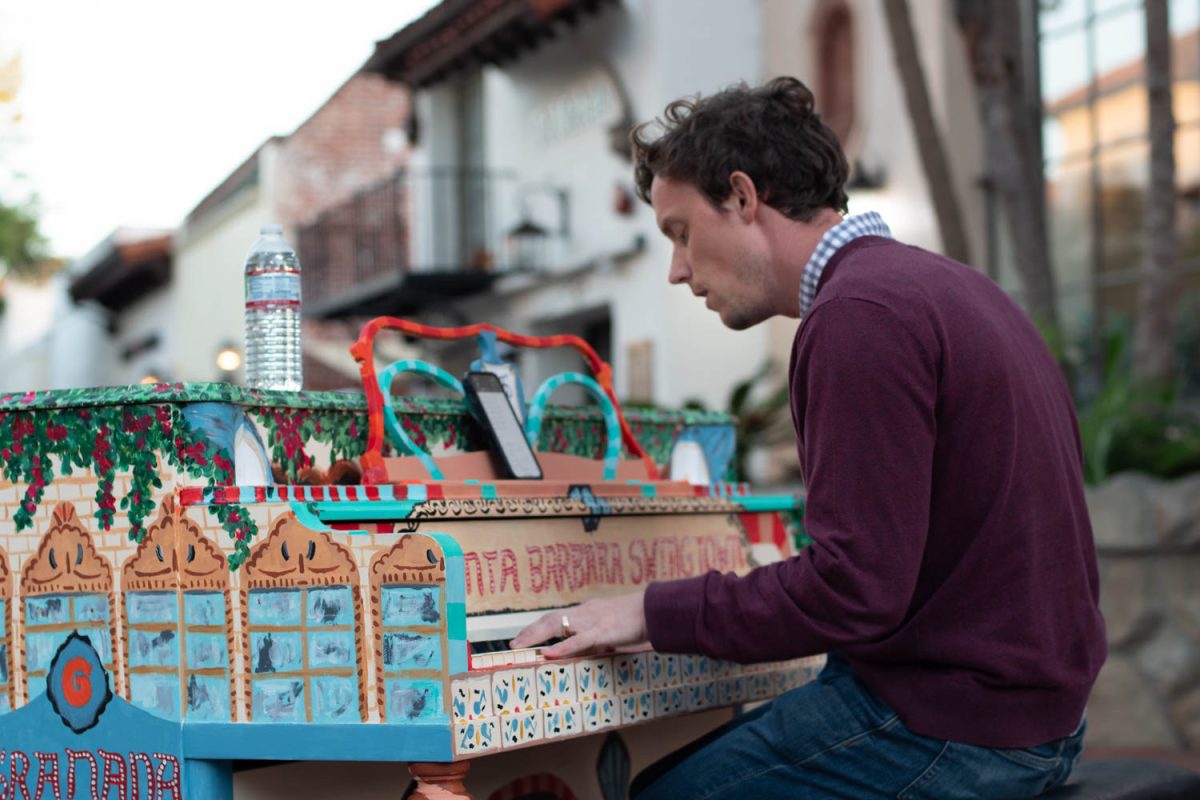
[547, 626]
[576, 645]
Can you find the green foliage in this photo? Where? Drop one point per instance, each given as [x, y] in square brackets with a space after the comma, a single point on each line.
[110, 441]
[1131, 424]
[22, 246]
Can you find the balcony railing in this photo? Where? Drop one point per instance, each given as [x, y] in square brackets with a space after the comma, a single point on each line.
[446, 225]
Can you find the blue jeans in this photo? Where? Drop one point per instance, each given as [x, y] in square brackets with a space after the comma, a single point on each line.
[832, 738]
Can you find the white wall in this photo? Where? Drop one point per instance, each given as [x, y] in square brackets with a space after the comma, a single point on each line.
[81, 352]
[207, 293]
[25, 326]
[547, 118]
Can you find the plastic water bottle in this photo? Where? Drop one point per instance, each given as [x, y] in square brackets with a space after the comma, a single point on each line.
[273, 357]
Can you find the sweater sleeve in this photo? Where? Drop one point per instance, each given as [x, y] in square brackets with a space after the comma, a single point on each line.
[864, 393]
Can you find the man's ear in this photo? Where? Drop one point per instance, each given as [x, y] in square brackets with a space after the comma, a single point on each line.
[743, 197]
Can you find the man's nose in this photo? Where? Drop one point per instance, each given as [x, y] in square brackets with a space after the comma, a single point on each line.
[680, 271]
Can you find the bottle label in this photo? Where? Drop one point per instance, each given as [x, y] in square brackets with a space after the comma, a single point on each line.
[281, 288]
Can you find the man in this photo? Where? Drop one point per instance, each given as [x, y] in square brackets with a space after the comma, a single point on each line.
[952, 575]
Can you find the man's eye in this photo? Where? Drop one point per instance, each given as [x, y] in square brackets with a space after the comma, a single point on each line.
[683, 238]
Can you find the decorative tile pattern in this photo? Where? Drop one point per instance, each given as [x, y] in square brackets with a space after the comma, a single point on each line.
[598, 714]
[636, 708]
[476, 736]
[556, 684]
[562, 721]
[513, 691]
[630, 672]
[567, 698]
[669, 702]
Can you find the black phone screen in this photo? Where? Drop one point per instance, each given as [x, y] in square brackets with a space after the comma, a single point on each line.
[490, 405]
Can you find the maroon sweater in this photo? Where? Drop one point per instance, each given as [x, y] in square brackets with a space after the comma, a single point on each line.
[952, 561]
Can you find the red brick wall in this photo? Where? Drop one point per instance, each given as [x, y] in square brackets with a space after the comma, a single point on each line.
[342, 148]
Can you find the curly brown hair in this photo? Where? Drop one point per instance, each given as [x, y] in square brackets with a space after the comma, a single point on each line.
[769, 132]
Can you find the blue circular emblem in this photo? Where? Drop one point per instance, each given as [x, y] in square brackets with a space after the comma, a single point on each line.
[77, 683]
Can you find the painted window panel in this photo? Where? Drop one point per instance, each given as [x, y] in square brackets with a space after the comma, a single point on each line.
[144, 607]
[153, 648]
[403, 651]
[48, 609]
[90, 608]
[330, 606]
[204, 608]
[3, 648]
[331, 649]
[278, 700]
[40, 649]
[207, 650]
[410, 700]
[276, 651]
[99, 639]
[405, 606]
[207, 698]
[4, 706]
[334, 699]
[158, 694]
[275, 607]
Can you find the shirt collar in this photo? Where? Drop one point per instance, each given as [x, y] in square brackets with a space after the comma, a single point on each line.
[846, 231]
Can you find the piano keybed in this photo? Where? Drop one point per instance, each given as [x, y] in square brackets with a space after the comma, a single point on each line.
[516, 705]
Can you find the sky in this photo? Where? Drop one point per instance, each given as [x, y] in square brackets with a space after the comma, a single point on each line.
[130, 111]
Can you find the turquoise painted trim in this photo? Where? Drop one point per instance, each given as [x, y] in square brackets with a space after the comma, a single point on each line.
[392, 423]
[649, 490]
[206, 780]
[450, 547]
[778, 502]
[537, 407]
[488, 492]
[416, 491]
[456, 578]
[246, 494]
[456, 621]
[456, 603]
[426, 740]
[306, 517]
[353, 510]
[457, 657]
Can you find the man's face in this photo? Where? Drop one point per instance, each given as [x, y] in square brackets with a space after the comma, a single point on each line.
[716, 252]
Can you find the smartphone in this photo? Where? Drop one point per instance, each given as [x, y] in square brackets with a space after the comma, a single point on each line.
[489, 404]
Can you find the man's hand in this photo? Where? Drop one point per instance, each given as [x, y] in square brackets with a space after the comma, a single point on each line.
[598, 625]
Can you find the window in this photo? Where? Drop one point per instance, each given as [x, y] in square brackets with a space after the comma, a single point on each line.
[67, 587]
[304, 633]
[1095, 123]
[408, 606]
[6, 687]
[177, 632]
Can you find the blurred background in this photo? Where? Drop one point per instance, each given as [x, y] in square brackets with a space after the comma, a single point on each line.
[468, 160]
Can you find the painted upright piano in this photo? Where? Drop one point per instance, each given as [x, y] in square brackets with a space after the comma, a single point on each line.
[193, 575]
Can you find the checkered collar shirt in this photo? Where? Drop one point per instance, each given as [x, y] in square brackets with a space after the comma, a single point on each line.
[846, 231]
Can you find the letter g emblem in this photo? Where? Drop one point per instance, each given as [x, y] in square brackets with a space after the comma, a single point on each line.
[77, 682]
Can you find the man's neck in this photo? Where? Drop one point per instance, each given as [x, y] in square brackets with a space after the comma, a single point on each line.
[792, 245]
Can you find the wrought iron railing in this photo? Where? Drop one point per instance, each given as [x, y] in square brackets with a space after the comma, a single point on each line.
[446, 219]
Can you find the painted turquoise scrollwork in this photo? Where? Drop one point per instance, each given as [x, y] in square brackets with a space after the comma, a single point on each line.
[537, 407]
[395, 430]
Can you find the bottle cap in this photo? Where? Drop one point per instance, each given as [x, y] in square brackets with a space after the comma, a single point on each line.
[270, 242]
